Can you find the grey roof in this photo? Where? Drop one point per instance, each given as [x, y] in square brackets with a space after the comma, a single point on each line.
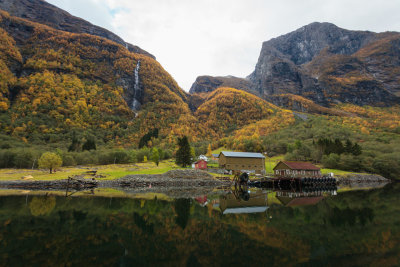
[215, 155]
[245, 210]
[242, 154]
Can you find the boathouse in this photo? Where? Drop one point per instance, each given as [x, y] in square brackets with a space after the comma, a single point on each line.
[242, 161]
[200, 164]
[296, 169]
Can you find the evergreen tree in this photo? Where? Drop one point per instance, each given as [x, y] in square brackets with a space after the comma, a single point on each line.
[183, 155]
[75, 144]
[356, 150]
[348, 146]
[338, 147]
[147, 137]
[89, 144]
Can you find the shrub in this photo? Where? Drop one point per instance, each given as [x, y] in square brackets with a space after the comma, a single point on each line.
[331, 161]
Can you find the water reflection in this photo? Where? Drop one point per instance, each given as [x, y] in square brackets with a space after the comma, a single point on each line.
[225, 227]
[253, 203]
[243, 200]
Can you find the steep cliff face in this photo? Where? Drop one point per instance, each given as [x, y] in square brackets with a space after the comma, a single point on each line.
[313, 60]
[44, 13]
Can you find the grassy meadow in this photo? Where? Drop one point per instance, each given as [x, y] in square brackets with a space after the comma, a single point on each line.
[111, 171]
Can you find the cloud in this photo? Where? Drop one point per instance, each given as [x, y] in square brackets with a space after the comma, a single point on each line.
[223, 37]
[95, 11]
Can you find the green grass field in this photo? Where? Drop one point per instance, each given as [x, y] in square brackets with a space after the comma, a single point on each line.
[109, 171]
[114, 171]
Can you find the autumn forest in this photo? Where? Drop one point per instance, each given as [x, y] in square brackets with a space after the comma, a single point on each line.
[57, 86]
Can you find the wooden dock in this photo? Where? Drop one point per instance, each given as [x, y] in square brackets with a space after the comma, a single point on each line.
[295, 184]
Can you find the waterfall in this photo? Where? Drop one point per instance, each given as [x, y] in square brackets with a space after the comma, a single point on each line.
[136, 89]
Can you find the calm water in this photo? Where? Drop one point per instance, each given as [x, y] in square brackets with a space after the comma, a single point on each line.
[357, 228]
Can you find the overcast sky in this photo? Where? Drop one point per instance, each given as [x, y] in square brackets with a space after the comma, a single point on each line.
[223, 37]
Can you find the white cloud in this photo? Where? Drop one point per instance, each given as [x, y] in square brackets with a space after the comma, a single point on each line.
[223, 37]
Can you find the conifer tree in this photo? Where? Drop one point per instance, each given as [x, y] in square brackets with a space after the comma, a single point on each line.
[75, 144]
[356, 151]
[89, 144]
[183, 155]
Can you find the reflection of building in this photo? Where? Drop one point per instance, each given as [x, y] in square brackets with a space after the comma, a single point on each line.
[202, 200]
[296, 169]
[293, 199]
[230, 203]
[242, 161]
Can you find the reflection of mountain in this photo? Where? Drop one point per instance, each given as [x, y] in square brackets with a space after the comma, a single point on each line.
[299, 201]
[357, 228]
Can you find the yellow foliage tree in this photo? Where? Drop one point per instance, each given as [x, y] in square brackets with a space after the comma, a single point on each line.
[50, 161]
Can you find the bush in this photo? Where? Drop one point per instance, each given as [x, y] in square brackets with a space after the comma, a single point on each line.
[331, 161]
[68, 160]
[348, 162]
[7, 159]
[142, 153]
[388, 165]
[25, 158]
[86, 158]
[120, 156]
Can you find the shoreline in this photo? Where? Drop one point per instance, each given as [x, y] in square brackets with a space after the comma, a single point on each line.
[170, 179]
[185, 179]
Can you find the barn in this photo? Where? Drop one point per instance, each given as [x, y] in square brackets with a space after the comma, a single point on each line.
[296, 169]
[242, 161]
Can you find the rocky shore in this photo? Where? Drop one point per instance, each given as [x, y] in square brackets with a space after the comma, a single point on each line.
[362, 180]
[185, 180]
[170, 179]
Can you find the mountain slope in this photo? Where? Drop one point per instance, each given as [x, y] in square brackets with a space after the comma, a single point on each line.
[226, 110]
[54, 81]
[44, 13]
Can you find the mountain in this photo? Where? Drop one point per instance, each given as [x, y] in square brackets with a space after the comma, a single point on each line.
[206, 84]
[325, 64]
[44, 13]
[286, 65]
[54, 82]
[227, 109]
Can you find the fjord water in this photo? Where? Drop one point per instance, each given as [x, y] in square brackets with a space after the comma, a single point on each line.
[354, 228]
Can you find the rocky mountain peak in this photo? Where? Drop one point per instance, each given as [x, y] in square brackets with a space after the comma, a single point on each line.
[301, 45]
[301, 63]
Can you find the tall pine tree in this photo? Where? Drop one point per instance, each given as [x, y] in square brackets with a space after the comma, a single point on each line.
[183, 155]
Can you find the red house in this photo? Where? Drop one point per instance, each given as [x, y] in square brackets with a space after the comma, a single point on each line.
[200, 165]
